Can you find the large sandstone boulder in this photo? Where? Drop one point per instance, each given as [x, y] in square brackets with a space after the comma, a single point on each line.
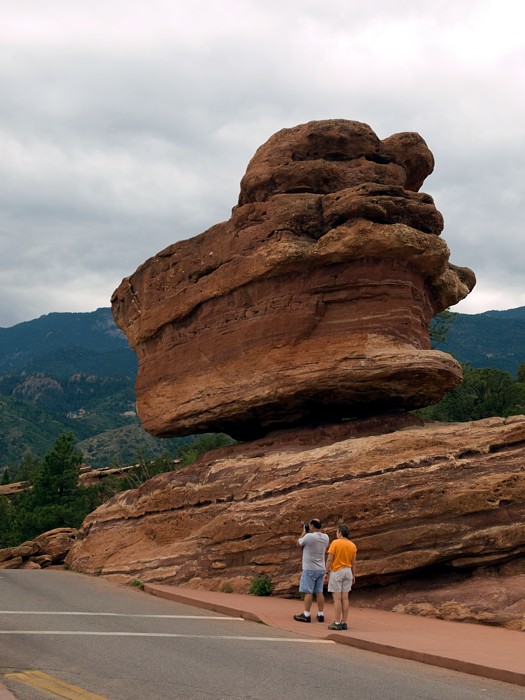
[56, 543]
[12, 563]
[310, 304]
[425, 502]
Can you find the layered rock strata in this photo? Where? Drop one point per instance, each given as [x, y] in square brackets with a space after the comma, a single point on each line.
[421, 500]
[310, 304]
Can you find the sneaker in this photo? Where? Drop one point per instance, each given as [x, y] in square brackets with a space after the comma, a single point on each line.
[320, 618]
[344, 626]
[302, 618]
[336, 626]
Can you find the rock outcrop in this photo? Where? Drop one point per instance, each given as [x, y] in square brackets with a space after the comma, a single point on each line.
[13, 488]
[311, 304]
[430, 501]
[49, 548]
[301, 324]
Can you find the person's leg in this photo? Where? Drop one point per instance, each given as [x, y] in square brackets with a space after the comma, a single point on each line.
[318, 591]
[344, 606]
[308, 598]
[306, 587]
[335, 588]
[337, 596]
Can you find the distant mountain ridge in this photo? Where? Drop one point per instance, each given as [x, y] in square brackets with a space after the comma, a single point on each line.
[68, 343]
[489, 339]
[518, 313]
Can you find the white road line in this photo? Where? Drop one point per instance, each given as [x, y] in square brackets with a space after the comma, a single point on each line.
[170, 635]
[106, 614]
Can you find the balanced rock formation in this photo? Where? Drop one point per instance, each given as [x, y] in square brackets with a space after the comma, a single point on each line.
[434, 503]
[301, 324]
[310, 304]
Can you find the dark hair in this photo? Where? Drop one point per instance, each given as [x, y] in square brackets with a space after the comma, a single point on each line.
[316, 523]
[344, 530]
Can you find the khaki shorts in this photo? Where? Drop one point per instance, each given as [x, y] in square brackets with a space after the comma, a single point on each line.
[341, 581]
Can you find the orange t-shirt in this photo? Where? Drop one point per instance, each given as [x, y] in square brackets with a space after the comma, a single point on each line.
[343, 551]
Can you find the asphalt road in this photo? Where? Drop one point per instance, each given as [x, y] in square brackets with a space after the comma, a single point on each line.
[67, 635]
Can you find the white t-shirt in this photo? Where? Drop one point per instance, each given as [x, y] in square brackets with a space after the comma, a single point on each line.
[314, 546]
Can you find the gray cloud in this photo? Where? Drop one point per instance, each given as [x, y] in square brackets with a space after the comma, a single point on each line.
[126, 127]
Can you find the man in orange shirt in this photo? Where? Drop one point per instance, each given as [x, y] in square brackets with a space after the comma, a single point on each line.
[340, 567]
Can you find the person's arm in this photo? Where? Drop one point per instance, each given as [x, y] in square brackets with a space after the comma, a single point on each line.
[301, 539]
[353, 567]
[329, 561]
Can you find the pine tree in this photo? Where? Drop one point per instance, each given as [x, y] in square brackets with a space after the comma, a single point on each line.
[57, 481]
[28, 466]
[6, 523]
[440, 326]
[483, 393]
[56, 499]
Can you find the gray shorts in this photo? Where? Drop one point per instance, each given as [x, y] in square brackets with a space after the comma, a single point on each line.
[341, 581]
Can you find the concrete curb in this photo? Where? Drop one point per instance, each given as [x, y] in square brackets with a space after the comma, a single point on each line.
[494, 673]
[204, 604]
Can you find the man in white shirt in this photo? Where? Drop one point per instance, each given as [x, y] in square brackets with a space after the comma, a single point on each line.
[314, 544]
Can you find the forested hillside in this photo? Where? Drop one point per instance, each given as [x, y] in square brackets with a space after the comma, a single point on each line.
[68, 343]
[491, 339]
[71, 372]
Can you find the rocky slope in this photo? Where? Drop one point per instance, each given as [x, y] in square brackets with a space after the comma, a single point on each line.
[45, 550]
[429, 506]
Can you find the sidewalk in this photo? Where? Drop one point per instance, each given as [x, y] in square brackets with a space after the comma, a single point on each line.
[480, 650]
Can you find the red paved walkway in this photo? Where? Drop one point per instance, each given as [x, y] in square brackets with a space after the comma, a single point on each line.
[480, 650]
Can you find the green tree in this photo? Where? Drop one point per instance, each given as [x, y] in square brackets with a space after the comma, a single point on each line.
[28, 466]
[146, 469]
[56, 499]
[521, 373]
[482, 394]
[5, 477]
[211, 441]
[7, 538]
[57, 480]
[440, 326]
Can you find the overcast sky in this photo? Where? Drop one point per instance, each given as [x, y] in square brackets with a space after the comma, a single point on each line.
[126, 126]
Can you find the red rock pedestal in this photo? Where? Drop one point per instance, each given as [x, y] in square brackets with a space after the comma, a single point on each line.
[438, 502]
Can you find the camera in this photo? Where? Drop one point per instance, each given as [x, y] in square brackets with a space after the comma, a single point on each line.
[307, 527]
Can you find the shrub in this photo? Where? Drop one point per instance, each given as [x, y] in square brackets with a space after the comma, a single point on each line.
[261, 585]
